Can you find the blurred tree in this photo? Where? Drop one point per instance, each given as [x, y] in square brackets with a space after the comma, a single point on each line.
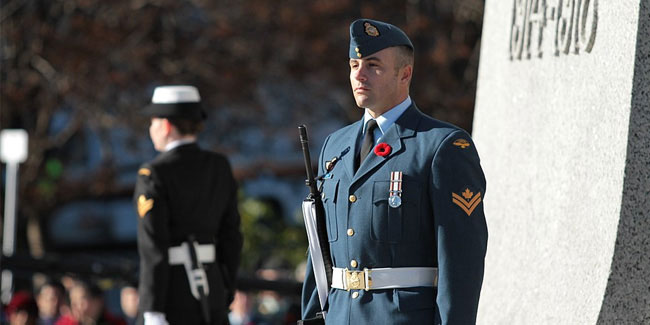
[270, 240]
[75, 72]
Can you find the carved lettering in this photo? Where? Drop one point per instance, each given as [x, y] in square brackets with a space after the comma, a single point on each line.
[519, 19]
[564, 27]
[571, 24]
[587, 25]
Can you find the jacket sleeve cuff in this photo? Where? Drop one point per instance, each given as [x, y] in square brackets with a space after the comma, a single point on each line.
[154, 318]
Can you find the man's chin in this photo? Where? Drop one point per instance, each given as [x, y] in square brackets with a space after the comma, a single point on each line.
[362, 102]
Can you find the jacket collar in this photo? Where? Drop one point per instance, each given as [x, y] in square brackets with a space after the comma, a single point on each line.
[404, 127]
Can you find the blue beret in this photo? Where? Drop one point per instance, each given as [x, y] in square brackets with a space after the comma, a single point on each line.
[369, 36]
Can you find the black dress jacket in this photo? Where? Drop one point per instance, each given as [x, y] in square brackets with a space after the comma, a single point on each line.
[186, 191]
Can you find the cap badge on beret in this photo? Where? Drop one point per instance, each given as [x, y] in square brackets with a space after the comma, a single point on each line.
[370, 29]
[370, 36]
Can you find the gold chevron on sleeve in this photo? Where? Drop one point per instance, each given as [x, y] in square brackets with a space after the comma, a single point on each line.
[467, 202]
[144, 172]
[144, 205]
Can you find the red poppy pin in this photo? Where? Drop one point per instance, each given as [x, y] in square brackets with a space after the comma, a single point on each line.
[382, 149]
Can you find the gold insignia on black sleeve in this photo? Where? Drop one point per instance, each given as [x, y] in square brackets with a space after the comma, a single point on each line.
[462, 143]
[468, 201]
[144, 205]
[144, 171]
[371, 30]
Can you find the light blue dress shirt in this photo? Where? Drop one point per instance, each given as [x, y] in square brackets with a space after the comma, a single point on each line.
[385, 120]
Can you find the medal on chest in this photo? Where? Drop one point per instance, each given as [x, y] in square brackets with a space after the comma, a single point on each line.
[395, 192]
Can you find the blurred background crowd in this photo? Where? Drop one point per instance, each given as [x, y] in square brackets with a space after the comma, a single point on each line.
[74, 73]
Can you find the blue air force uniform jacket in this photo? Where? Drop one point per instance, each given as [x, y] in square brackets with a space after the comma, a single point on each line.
[440, 223]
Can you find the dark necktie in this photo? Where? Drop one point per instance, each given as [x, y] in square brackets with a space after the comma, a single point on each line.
[368, 141]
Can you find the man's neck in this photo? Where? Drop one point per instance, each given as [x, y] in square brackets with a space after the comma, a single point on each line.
[178, 141]
[377, 112]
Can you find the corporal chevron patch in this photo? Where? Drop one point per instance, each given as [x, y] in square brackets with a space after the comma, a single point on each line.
[144, 205]
[468, 201]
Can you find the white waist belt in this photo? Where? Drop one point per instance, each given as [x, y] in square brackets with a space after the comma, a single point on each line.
[179, 254]
[384, 278]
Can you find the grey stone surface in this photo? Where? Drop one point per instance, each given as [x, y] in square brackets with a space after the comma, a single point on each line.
[627, 297]
[561, 124]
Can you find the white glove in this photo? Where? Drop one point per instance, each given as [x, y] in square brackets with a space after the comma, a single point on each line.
[154, 318]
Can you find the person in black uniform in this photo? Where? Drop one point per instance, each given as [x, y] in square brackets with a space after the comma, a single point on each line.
[186, 200]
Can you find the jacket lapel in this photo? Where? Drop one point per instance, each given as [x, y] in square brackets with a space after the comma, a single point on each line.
[404, 127]
[351, 135]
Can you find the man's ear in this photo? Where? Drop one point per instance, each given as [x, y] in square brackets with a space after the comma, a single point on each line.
[167, 126]
[406, 73]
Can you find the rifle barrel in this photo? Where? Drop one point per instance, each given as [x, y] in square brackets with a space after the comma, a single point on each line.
[304, 142]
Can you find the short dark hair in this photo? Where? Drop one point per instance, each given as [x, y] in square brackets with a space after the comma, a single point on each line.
[405, 56]
[50, 283]
[186, 126]
[91, 288]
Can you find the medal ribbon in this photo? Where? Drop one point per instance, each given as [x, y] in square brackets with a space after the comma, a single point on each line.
[395, 183]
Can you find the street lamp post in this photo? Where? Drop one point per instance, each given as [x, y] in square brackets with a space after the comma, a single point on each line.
[13, 150]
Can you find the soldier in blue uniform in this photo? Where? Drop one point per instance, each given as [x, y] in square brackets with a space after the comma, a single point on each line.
[403, 199]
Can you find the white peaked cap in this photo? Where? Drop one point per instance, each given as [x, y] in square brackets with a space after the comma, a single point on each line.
[175, 101]
[175, 94]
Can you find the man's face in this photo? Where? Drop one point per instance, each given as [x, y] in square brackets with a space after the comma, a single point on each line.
[48, 301]
[83, 305]
[79, 302]
[129, 301]
[157, 132]
[374, 80]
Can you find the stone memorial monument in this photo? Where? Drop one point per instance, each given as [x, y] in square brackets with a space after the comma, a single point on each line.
[562, 124]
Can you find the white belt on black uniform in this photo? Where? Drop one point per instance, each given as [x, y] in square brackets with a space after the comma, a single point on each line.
[180, 255]
[384, 278]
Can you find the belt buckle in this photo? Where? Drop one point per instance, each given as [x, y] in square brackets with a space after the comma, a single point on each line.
[357, 280]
